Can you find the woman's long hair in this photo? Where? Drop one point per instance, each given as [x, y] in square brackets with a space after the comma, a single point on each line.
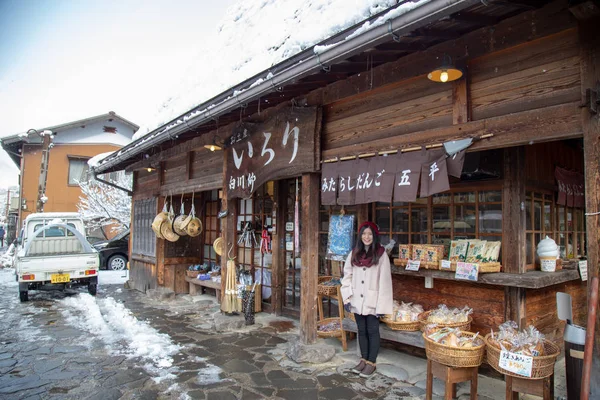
[359, 252]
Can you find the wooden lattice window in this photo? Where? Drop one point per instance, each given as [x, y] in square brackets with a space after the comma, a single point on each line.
[143, 238]
[441, 218]
[212, 226]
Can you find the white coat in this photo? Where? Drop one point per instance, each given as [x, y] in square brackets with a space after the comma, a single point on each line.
[368, 289]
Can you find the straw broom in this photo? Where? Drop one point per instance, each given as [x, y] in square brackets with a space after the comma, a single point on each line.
[230, 301]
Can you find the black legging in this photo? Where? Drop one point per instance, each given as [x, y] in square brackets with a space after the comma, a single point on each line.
[368, 336]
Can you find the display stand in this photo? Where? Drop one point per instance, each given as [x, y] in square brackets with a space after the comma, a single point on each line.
[337, 295]
[538, 387]
[451, 376]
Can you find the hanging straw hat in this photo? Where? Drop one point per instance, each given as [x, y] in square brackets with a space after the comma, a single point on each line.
[194, 227]
[158, 221]
[218, 245]
[180, 224]
[166, 229]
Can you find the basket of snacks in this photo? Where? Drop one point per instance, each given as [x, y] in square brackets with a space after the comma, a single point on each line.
[327, 285]
[329, 327]
[453, 347]
[405, 317]
[445, 317]
[192, 274]
[529, 342]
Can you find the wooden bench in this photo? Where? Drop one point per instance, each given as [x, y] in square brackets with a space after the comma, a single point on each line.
[411, 338]
[197, 284]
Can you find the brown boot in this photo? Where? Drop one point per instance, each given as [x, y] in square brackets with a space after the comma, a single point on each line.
[358, 369]
[368, 370]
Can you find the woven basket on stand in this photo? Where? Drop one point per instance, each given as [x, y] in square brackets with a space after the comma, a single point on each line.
[327, 290]
[401, 326]
[463, 326]
[543, 366]
[326, 334]
[455, 356]
[192, 274]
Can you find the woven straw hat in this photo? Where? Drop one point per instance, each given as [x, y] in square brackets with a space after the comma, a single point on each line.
[158, 220]
[218, 245]
[166, 229]
[181, 223]
[194, 227]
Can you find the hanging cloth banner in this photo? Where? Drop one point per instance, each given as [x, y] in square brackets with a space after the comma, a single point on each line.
[329, 182]
[364, 180]
[347, 172]
[407, 176]
[383, 173]
[434, 177]
[455, 163]
[571, 188]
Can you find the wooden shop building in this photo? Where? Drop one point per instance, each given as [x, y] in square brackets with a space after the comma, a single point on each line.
[527, 98]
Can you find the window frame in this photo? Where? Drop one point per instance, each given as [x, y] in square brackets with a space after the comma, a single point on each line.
[83, 159]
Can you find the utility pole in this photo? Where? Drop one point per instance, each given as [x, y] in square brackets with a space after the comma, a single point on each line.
[46, 146]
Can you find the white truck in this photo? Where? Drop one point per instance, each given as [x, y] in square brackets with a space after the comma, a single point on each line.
[53, 254]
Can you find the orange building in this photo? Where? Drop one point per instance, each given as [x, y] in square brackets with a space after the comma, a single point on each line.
[69, 147]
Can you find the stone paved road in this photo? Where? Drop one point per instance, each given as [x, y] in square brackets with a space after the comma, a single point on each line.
[46, 354]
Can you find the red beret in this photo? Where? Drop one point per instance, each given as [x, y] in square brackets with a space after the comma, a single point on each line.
[371, 225]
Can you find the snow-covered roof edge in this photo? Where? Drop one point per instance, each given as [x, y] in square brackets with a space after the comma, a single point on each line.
[23, 136]
[401, 19]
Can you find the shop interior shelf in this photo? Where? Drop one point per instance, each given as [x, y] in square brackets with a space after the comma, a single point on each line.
[528, 280]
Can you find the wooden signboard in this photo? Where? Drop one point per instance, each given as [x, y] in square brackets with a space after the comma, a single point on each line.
[281, 147]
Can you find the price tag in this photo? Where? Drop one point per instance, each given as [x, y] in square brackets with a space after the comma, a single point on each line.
[413, 265]
[517, 363]
[583, 269]
[289, 227]
[467, 271]
[446, 264]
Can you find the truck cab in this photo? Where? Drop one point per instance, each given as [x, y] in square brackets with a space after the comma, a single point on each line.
[54, 254]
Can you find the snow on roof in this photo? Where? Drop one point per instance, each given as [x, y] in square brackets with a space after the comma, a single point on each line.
[254, 35]
[94, 161]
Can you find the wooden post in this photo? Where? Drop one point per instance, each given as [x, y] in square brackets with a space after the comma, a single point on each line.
[590, 79]
[310, 257]
[460, 101]
[513, 230]
[278, 248]
[228, 227]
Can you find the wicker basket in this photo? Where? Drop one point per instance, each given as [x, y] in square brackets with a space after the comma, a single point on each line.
[336, 333]
[455, 356]
[192, 274]
[401, 326]
[325, 289]
[543, 366]
[463, 326]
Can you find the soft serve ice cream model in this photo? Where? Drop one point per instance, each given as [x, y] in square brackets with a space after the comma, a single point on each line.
[547, 251]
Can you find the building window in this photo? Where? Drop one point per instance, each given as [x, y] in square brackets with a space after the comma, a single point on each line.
[441, 218]
[212, 226]
[144, 239]
[78, 170]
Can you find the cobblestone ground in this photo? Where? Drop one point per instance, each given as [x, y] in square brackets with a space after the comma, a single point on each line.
[43, 356]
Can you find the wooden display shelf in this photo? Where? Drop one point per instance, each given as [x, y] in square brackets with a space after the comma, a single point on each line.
[411, 338]
[528, 280]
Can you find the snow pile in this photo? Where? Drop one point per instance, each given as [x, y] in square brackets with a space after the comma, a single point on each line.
[112, 277]
[278, 30]
[6, 259]
[94, 161]
[122, 333]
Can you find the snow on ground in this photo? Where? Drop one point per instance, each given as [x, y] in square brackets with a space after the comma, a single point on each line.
[112, 277]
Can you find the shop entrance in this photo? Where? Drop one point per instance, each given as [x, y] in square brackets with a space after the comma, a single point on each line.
[291, 191]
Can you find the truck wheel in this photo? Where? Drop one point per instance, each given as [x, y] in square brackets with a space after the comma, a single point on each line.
[24, 296]
[117, 262]
[92, 289]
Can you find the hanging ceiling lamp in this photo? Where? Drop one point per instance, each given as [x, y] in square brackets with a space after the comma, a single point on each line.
[447, 72]
[214, 146]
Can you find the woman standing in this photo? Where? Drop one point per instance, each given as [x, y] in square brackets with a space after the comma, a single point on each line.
[367, 292]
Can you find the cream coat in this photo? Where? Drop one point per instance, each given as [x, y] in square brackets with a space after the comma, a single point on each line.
[369, 290]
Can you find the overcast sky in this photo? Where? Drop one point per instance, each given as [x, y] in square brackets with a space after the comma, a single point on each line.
[62, 61]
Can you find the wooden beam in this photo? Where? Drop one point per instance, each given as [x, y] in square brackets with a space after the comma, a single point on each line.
[547, 124]
[590, 79]
[513, 211]
[474, 18]
[228, 229]
[310, 257]
[460, 101]
[588, 10]
[510, 32]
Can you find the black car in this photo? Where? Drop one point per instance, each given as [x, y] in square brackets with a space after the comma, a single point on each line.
[114, 253]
